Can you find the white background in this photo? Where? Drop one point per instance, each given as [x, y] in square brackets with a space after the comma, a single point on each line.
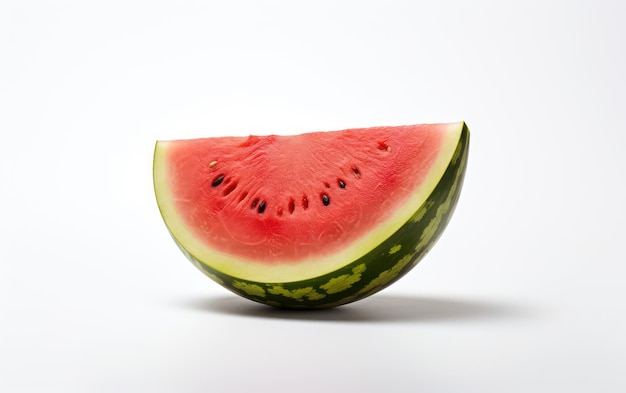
[524, 291]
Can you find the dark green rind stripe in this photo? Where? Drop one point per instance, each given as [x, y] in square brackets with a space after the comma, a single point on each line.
[376, 270]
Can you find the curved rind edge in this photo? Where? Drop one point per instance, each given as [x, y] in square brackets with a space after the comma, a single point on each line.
[376, 270]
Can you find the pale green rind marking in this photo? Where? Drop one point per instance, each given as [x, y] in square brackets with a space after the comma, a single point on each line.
[395, 249]
[249, 289]
[345, 281]
[297, 294]
[431, 229]
[314, 295]
[387, 275]
[433, 225]
[422, 211]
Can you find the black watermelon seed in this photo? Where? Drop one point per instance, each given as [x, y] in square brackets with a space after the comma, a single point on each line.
[254, 203]
[218, 180]
[325, 199]
[341, 183]
[262, 207]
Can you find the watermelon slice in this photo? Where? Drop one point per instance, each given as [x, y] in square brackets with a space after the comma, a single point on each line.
[312, 220]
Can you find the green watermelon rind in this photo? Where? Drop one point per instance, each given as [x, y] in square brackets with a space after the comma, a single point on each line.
[371, 273]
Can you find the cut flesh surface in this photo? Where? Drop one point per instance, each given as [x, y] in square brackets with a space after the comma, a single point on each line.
[287, 208]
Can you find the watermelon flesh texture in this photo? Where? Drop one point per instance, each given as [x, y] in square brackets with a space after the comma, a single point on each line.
[283, 199]
[290, 209]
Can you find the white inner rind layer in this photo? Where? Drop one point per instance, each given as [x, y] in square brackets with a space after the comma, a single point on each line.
[304, 269]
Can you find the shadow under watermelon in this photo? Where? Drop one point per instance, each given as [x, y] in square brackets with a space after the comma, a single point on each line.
[380, 308]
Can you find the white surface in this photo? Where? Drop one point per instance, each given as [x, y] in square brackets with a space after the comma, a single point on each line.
[524, 292]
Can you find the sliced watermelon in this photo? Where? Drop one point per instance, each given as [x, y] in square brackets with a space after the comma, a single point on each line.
[312, 220]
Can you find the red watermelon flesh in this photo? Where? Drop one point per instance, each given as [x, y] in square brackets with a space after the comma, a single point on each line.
[276, 199]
